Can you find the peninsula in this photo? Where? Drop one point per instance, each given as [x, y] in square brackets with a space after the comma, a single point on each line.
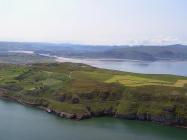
[79, 91]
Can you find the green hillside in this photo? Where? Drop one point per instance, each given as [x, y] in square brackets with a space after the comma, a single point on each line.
[80, 91]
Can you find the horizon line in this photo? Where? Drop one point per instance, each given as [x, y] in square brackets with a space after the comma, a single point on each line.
[88, 44]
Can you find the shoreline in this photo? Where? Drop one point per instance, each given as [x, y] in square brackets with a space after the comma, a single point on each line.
[58, 58]
[88, 115]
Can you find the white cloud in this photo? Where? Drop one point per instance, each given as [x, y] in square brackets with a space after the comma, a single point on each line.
[165, 40]
[158, 40]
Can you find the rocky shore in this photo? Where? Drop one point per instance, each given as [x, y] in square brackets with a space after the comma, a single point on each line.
[163, 120]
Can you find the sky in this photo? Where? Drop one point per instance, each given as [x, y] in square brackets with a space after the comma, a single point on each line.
[113, 22]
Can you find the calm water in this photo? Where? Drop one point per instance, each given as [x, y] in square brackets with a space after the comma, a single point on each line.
[24, 123]
[158, 67]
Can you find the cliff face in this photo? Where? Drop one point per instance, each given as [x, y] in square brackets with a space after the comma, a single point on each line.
[77, 91]
[167, 116]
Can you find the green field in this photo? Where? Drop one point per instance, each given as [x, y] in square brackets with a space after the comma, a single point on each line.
[79, 89]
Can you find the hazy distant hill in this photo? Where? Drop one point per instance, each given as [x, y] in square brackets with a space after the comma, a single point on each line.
[171, 52]
[147, 53]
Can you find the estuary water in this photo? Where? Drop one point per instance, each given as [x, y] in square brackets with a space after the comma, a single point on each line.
[18, 122]
[146, 67]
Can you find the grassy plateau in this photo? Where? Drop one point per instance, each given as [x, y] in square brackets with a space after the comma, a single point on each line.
[79, 91]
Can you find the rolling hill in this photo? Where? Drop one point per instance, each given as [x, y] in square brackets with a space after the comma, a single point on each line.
[78, 91]
[144, 53]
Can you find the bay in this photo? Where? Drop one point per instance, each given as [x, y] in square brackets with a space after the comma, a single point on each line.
[18, 122]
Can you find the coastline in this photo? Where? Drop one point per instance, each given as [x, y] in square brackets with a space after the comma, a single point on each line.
[90, 115]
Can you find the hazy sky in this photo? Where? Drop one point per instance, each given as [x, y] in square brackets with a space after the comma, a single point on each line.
[94, 21]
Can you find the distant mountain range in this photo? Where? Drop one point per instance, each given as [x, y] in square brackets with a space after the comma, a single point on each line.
[176, 52]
